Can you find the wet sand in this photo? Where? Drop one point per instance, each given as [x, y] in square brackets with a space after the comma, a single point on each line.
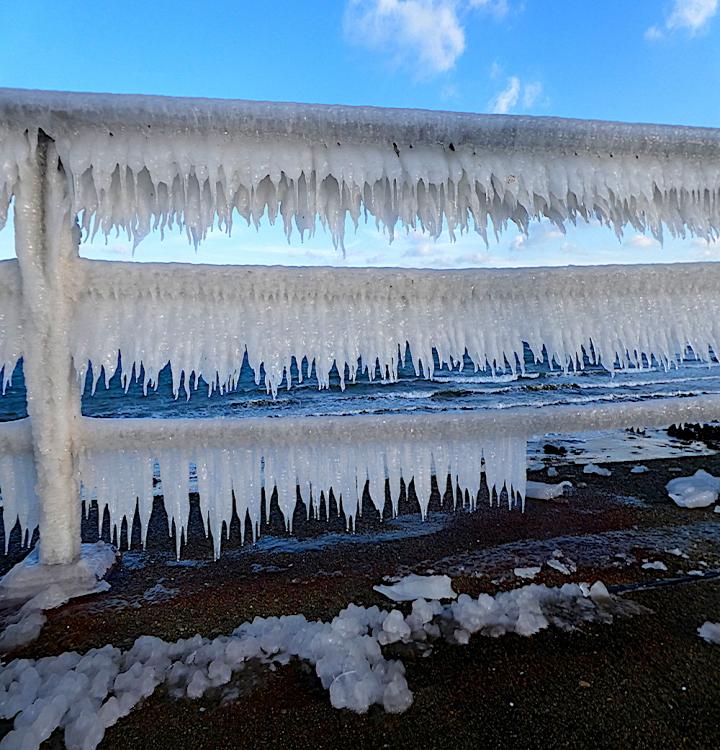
[647, 681]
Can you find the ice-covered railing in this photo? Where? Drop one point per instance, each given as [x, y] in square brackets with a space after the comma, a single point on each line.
[236, 459]
[362, 319]
[138, 162]
[98, 162]
[154, 314]
[236, 465]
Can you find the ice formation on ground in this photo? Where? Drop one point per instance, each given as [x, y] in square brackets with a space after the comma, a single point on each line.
[85, 694]
[203, 320]
[697, 491]
[545, 491]
[599, 470]
[527, 572]
[710, 632]
[137, 163]
[413, 587]
[654, 565]
[639, 469]
[43, 587]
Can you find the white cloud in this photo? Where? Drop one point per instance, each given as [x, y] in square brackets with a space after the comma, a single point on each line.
[641, 242]
[510, 96]
[507, 98]
[498, 8]
[690, 16]
[425, 33]
[532, 93]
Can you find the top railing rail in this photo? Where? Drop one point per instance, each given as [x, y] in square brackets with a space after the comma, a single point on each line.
[65, 112]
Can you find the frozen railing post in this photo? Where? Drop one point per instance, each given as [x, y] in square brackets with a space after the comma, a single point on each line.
[46, 244]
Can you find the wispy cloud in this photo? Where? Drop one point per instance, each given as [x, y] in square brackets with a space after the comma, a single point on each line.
[689, 16]
[498, 8]
[507, 99]
[641, 242]
[515, 93]
[532, 93]
[427, 35]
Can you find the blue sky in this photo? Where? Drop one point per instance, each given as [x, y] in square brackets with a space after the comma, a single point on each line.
[641, 61]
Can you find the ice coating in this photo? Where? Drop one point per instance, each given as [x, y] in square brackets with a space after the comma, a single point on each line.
[119, 479]
[136, 162]
[204, 319]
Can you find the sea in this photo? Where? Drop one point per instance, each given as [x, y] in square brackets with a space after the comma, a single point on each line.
[462, 389]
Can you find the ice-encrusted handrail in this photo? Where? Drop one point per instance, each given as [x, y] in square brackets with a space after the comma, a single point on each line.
[136, 162]
[65, 113]
[149, 433]
[235, 459]
[155, 313]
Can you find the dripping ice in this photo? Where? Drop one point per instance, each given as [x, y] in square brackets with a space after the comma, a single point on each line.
[120, 479]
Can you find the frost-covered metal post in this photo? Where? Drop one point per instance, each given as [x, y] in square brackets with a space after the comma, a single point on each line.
[46, 243]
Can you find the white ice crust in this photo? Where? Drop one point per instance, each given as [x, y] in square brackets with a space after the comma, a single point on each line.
[139, 162]
[312, 465]
[117, 456]
[205, 319]
[38, 588]
[546, 491]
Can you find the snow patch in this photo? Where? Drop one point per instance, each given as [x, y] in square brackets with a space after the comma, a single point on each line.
[544, 491]
[529, 572]
[655, 565]
[593, 469]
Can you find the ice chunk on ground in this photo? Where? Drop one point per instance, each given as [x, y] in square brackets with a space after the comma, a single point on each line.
[697, 491]
[43, 587]
[557, 565]
[639, 469]
[529, 572]
[552, 471]
[545, 491]
[593, 469]
[710, 632]
[418, 587]
[655, 565]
